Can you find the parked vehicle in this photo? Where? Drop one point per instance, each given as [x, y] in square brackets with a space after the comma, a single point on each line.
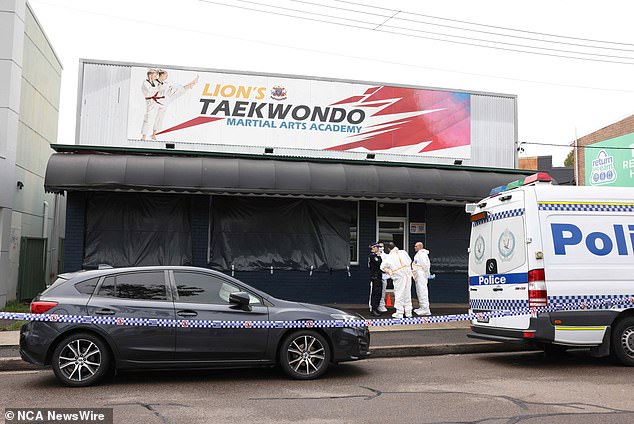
[535, 244]
[81, 354]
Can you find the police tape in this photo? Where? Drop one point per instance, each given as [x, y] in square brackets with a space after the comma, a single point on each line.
[612, 303]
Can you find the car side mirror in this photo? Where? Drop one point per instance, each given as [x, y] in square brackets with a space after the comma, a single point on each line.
[241, 299]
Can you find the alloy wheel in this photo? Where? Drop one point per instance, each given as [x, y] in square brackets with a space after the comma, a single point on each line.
[306, 355]
[80, 360]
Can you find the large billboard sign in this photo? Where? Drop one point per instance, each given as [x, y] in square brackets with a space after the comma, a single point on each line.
[611, 162]
[272, 111]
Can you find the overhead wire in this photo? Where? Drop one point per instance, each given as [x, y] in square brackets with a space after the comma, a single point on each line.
[373, 59]
[278, 13]
[490, 26]
[402, 12]
[577, 146]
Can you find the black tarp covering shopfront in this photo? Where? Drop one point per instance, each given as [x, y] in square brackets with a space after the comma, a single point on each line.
[127, 229]
[448, 232]
[254, 234]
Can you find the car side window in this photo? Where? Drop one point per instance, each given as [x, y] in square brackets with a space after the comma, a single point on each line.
[138, 286]
[87, 286]
[196, 287]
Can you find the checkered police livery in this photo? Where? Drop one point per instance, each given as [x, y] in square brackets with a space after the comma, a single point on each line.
[492, 305]
[586, 207]
[576, 245]
[499, 215]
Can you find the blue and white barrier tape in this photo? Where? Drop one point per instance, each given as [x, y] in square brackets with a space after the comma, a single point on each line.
[617, 302]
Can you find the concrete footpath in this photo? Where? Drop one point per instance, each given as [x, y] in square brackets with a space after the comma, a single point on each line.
[391, 341]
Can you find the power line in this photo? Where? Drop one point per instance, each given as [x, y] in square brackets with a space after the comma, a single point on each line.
[373, 59]
[400, 18]
[491, 26]
[277, 13]
[578, 147]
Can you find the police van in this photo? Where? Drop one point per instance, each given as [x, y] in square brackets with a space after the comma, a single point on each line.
[534, 244]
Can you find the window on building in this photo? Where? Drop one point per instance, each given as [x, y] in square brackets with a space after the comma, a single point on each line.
[391, 209]
[252, 234]
[138, 286]
[195, 287]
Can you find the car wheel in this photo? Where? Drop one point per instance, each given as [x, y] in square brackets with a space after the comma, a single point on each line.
[623, 341]
[81, 359]
[304, 355]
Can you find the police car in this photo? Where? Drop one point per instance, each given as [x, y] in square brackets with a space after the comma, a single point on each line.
[534, 244]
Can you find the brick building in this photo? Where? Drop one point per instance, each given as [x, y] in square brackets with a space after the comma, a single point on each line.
[617, 142]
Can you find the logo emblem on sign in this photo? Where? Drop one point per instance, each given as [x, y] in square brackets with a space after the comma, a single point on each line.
[603, 170]
[506, 245]
[278, 92]
[479, 249]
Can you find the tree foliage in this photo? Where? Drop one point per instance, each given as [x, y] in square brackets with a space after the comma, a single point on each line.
[570, 159]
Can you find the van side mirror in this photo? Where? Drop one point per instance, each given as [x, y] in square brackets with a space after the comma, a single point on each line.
[241, 300]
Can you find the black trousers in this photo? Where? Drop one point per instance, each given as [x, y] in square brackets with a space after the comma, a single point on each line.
[375, 293]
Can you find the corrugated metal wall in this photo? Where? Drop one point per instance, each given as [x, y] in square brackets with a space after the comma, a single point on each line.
[493, 131]
[103, 109]
[103, 112]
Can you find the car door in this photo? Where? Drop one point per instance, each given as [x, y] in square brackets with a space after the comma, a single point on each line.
[205, 296]
[137, 295]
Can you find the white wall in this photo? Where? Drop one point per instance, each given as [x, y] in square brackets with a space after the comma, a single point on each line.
[30, 76]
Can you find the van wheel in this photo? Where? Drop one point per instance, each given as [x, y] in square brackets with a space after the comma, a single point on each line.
[623, 341]
[81, 359]
[304, 355]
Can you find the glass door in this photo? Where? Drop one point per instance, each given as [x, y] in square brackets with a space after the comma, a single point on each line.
[392, 229]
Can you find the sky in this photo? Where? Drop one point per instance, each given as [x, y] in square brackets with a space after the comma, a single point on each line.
[570, 63]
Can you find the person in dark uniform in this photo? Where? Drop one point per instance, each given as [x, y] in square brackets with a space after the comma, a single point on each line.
[374, 263]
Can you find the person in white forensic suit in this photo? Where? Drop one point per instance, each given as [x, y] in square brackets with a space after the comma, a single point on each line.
[398, 265]
[168, 93]
[421, 269]
[150, 90]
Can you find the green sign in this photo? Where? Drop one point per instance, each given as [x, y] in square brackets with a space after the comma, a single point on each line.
[611, 162]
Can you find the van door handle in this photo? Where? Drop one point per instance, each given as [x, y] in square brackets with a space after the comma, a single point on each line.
[104, 311]
[497, 289]
[188, 313]
[473, 289]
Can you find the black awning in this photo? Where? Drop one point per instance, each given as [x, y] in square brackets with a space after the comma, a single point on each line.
[226, 175]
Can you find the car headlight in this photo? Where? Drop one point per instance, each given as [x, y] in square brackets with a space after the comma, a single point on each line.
[346, 317]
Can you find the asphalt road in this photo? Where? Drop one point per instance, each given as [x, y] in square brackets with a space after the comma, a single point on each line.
[482, 388]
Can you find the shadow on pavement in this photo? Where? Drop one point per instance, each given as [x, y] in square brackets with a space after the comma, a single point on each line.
[573, 359]
[47, 380]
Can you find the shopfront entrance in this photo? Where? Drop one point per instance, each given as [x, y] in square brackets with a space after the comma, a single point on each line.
[392, 229]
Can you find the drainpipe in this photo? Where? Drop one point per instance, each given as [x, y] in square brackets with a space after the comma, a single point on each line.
[45, 218]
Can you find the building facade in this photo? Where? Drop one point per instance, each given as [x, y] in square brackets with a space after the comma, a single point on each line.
[31, 223]
[563, 175]
[606, 156]
[282, 181]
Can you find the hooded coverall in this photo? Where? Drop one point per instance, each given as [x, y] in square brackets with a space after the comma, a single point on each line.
[421, 266]
[398, 265]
